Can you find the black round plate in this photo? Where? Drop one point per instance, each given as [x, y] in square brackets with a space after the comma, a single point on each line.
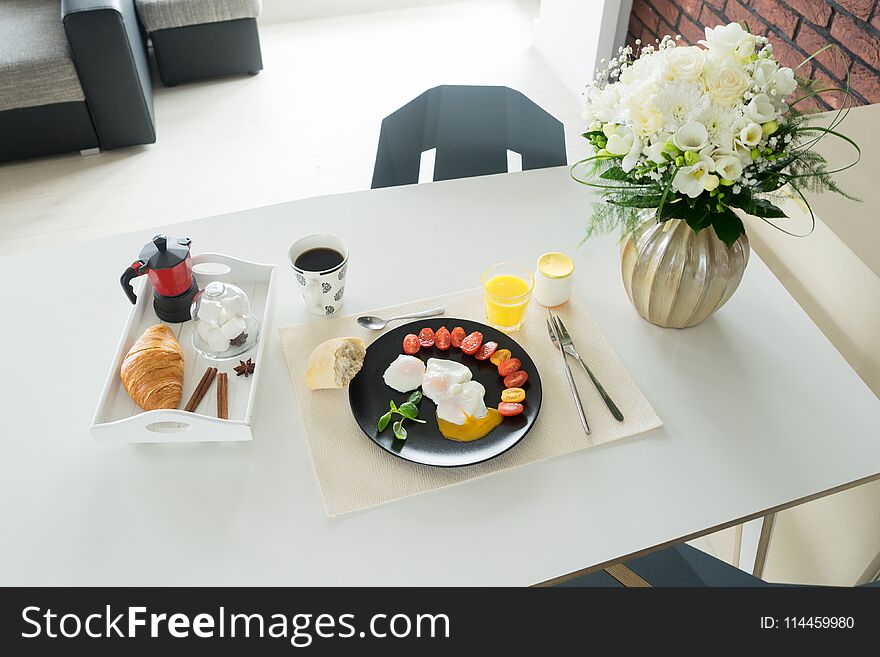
[370, 397]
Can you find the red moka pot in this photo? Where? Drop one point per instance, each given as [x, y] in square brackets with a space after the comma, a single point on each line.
[168, 266]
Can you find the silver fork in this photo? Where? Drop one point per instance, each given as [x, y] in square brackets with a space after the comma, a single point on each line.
[568, 347]
[551, 326]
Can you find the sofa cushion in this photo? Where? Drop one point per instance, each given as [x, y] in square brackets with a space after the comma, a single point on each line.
[36, 67]
[165, 14]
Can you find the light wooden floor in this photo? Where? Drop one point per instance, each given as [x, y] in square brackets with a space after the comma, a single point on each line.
[306, 126]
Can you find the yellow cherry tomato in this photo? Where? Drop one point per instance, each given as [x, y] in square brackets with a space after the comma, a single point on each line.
[499, 356]
[513, 395]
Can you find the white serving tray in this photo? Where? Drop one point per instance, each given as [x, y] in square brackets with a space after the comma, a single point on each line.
[119, 420]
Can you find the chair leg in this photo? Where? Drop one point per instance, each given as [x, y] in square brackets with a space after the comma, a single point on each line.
[763, 544]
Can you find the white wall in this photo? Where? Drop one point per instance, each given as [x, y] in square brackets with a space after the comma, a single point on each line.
[574, 35]
[284, 11]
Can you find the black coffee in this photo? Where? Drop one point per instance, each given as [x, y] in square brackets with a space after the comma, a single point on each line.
[320, 259]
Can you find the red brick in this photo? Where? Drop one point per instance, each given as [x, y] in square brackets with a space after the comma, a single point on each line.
[785, 54]
[834, 59]
[773, 13]
[667, 10]
[737, 13]
[822, 81]
[816, 11]
[857, 39]
[861, 8]
[709, 18]
[690, 31]
[866, 83]
[648, 16]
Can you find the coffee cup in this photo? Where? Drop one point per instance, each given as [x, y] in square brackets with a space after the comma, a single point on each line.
[319, 263]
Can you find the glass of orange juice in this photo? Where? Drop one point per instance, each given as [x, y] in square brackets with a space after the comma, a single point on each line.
[507, 288]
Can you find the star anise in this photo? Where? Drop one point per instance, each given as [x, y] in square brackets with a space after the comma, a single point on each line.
[247, 368]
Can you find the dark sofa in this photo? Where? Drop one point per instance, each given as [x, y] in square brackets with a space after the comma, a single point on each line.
[73, 76]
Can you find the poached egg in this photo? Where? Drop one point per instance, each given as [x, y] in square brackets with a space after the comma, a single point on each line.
[451, 387]
[404, 374]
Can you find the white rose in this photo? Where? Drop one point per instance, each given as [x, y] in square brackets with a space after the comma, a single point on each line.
[691, 136]
[726, 82]
[693, 180]
[725, 39]
[727, 163]
[684, 63]
[646, 118]
[750, 135]
[760, 109]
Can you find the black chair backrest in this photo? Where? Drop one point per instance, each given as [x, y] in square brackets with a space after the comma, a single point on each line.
[472, 129]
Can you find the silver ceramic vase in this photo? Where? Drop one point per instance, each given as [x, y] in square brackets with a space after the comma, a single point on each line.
[675, 277]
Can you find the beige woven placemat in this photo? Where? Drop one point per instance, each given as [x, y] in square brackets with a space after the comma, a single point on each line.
[356, 474]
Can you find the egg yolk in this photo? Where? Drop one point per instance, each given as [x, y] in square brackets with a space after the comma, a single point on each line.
[473, 428]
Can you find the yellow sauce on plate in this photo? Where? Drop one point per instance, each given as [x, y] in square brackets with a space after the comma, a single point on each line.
[472, 429]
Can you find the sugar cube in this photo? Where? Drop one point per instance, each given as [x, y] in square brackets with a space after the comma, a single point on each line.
[217, 342]
[209, 311]
[204, 328]
[233, 328]
[233, 306]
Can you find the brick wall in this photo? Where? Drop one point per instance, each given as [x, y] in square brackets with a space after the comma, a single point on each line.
[797, 29]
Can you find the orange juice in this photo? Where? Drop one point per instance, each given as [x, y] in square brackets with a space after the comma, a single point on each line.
[507, 292]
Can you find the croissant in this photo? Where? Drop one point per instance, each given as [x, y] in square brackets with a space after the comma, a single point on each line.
[152, 371]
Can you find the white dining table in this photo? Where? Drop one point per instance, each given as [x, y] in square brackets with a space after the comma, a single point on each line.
[759, 411]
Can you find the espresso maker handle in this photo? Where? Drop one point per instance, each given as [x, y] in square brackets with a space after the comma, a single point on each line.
[127, 276]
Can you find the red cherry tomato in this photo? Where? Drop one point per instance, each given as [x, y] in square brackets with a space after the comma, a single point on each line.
[486, 350]
[426, 337]
[411, 344]
[509, 409]
[457, 336]
[509, 366]
[471, 343]
[442, 338]
[516, 380]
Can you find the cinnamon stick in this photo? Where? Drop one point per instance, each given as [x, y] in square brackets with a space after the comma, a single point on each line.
[201, 389]
[223, 396]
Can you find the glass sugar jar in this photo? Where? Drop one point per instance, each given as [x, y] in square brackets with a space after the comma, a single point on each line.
[224, 326]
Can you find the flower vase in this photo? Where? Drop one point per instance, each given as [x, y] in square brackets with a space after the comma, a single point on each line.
[676, 277]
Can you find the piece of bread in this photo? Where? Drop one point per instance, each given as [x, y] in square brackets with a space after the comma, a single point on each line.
[332, 364]
[152, 371]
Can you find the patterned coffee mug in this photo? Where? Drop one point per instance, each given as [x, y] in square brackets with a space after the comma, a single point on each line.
[322, 290]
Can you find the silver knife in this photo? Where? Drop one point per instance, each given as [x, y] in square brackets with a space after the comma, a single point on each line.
[569, 348]
[554, 333]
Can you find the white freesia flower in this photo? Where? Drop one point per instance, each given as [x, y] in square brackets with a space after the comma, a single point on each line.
[728, 164]
[769, 77]
[697, 178]
[680, 103]
[684, 63]
[654, 152]
[760, 109]
[632, 158]
[723, 40]
[750, 135]
[620, 138]
[692, 137]
[726, 82]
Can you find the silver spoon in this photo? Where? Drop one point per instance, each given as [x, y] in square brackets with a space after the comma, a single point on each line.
[377, 323]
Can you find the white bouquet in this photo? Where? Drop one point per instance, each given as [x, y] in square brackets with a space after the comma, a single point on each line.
[698, 131]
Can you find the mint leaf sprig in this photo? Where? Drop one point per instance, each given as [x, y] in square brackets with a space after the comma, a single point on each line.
[409, 410]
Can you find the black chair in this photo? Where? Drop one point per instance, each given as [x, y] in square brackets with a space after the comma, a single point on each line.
[680, 565]
[472, 129]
